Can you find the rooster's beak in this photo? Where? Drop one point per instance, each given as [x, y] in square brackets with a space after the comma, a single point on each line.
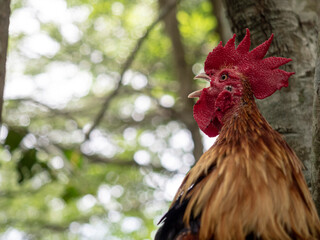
[195, 94]
[198, 93]
[203, 76]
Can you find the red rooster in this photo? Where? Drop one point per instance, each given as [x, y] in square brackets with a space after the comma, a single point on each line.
[249, 184]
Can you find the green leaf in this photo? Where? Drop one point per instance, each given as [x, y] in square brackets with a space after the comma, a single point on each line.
[25, 165]
[74, 157]
[13, 139]
[70, 193]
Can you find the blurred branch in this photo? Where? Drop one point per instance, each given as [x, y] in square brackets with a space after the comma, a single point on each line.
[4, 26]
[38, 223]
[53, 110]
[95, 158]
[165, 11]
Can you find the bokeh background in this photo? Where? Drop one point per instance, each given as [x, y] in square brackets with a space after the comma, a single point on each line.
[98, 131]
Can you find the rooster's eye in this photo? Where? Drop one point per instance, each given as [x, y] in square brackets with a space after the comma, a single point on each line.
[224, 76]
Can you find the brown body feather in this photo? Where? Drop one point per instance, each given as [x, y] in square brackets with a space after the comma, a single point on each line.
[251, 183]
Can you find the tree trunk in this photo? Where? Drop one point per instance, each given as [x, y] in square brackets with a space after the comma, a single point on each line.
[316, 133]
[223, 27]
[184, 77]
[289, 111]
[4, 25]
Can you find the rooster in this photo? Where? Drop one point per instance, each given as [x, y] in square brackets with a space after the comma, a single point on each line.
[249, 184]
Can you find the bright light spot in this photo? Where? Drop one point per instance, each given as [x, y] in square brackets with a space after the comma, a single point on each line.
[137, 116]
[117, 191]
[57, 12]
[57, 85]
[129, 134]
[142, 157]
[74, 227]
[99, 143]
[172, 186]
[141, 15]
[173, 126]
[158, 146]
[126, 110]
[39, 44]
[104, 195]
[197, 68]
[101, 26]
[208, 141]
[162, 131]
[96, 56]
[23, 21]
[104, 83]
[181, 139]
[139, 81]
[114, 216]
[19, 86]
[13, 234]
[188, 159]
[57, 204]
[24, 120]
[50, 11]
[127, 76]
[57, 162]
[79, 13]
[170, 161]
[146, 139]
[136, 79]
[3, 132]
[97, 229]
[70, 32]
[86, 203]
[29, 141]
[167, 101]
[154, 180]
[117, 8]
[40, 179]
[131, 224]
[142, 104]
[5, 155]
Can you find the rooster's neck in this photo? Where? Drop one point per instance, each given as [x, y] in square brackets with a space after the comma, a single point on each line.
[245, 119]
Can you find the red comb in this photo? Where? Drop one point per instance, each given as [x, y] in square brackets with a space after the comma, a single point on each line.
[263, 74]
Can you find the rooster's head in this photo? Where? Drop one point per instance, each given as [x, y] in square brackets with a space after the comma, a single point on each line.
[228, 69]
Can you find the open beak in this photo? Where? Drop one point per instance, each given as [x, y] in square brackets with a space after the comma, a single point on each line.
[203, 76]
[197, 93]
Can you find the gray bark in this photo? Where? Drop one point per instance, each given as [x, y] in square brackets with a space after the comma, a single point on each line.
[316, 133]
[184, 77]
[4, 25]
[289, 111]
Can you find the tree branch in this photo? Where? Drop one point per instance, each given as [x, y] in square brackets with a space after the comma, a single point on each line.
[52, 110]
[126, 66]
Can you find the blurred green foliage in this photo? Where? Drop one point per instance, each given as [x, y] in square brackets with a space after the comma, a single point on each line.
[55, 183]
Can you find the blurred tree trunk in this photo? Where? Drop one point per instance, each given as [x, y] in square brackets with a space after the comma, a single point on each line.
[223, 27]
[4, 25]
[293, 22]
[184, 77]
